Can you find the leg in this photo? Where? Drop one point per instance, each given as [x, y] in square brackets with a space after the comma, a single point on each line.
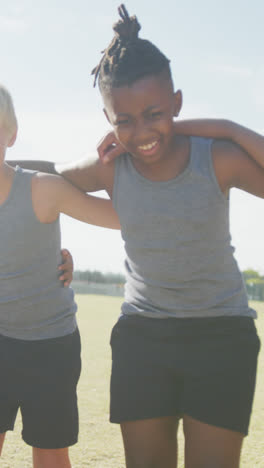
[51, 458]
[49, 407]
[150, 443]
[2, 438]
[208, 446]
[219, 391]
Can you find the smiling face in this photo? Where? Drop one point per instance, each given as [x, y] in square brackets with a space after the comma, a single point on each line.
[142, 117]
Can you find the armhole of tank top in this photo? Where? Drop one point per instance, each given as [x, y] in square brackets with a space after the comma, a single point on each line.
[31, 176]
[212, 173]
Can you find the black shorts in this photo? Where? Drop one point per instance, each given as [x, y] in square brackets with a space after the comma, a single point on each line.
[201, 367]
[40, 378]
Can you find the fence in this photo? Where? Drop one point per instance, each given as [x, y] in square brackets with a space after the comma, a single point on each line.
[85, 287]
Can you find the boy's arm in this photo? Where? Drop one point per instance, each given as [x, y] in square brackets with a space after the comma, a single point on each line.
[235, 168]
[53, 195]
[238, 153]
[88, 174]
[251, 142]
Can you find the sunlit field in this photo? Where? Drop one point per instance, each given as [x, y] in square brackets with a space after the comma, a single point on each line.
[99, 441]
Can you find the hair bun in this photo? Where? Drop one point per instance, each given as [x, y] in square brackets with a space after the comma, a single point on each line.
[128, 27]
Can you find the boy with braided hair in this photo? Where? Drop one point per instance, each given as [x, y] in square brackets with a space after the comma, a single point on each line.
[185, 345]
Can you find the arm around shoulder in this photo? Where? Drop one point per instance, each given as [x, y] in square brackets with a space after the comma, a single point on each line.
[53, 195]
[82, 206]
[88, 174]
[251, 142]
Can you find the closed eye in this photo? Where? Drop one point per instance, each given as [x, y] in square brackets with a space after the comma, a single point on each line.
[122, 122]
[156, 115]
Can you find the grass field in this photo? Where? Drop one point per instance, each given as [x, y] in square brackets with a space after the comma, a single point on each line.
[99, 443]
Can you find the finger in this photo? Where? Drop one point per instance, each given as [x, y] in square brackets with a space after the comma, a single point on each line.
[67, 260]
[107, 143]
[66, 281]
[112, 153]
[66, 275]
[66, 267]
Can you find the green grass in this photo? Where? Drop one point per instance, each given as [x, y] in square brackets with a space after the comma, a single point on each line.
[100, 443]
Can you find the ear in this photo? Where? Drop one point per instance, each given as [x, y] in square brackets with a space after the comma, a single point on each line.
[177, 102]
[12, 139]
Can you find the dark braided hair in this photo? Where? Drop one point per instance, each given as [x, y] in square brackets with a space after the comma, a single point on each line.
[128, 58]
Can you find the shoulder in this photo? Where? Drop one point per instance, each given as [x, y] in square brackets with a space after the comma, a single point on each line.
[47, 182]
[234, 168]
[47, 189]
[227, 150]
[226, 155]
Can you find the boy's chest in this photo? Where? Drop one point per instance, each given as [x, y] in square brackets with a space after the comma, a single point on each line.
[189, 210]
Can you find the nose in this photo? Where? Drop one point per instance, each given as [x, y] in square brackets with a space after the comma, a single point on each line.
[142, 131]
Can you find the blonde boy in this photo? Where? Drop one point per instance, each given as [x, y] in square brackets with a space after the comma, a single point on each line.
[39, 339]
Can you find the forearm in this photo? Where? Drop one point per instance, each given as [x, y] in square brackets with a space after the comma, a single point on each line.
[251, 142]
[40, 166]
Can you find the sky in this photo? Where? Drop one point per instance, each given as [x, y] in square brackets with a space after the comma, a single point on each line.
[48, 49]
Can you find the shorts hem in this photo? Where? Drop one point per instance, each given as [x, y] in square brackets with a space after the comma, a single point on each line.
[164, 414]
[10, 428]
[51, 446]
[229, 427]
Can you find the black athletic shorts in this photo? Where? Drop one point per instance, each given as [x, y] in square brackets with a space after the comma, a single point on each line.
[201, 367]
[40, 378]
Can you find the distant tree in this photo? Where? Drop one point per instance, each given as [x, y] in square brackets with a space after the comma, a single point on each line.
[254, 284]
[251, 274]
[99, 277]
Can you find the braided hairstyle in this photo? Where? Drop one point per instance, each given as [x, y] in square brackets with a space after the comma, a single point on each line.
[128, 58]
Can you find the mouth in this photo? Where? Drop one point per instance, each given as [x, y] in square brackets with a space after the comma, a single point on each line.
[149, 148]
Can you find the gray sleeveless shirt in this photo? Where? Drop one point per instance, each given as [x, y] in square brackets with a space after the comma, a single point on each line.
[180, 260]
[33, 303]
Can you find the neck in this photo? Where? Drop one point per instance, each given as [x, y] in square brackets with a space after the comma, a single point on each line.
[6, 172]
[6, 180]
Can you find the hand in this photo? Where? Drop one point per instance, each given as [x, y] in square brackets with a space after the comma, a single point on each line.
[109, 148]
[66, 267]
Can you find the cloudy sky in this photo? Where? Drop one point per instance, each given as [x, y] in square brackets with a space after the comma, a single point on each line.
[48, 48]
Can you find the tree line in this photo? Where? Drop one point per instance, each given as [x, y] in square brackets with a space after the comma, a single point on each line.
[254, 281]
[254, 284]
[99, 277]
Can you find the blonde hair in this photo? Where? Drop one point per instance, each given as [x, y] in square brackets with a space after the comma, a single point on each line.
[8, 120]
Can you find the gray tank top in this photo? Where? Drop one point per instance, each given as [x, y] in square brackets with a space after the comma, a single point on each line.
[180, 260]
[33, 303]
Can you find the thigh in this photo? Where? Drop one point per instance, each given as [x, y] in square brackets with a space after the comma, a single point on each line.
[9, 397]
[143, 386]
[150, 443]
[220, 382]
[208, 446]
[49, 406]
